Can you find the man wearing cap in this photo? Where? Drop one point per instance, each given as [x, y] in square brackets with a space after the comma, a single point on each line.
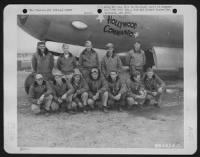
[88, 59]
[111, 61]
[80, 95]
[40, 95]
[66, 63]
[155, 87]
[116, 90]
[62, 92]
[97, 89]
[136, 93]
[43, 61]
[136, 58]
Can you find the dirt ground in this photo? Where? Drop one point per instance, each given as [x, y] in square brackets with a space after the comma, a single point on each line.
[137, 128]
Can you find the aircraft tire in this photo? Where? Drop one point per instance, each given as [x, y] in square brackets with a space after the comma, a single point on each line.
[29, 80]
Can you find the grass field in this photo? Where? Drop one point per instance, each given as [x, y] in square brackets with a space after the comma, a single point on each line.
[129, 129]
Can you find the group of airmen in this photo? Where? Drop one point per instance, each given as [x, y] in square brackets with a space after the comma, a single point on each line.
[88, 84]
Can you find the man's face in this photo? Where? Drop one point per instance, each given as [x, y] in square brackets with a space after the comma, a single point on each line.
[88, 46]
[77, 78]
[58, 79]
[113, 75]
[39, 81]
[150, 74]
[137, 46]
[42, 47]
[110, 50]
[137, 78]
[95, 75]
[65, 49]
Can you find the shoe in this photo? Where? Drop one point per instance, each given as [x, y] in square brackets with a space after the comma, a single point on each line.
[120, 109]
[129, 107]
[146, 103]
[91, 107]
[140, 106]
[80, 105]
[105, 110]
[72, 112]
[42, 111]
[157, 105]
[62, 109]
[47, 114]
[84, 111]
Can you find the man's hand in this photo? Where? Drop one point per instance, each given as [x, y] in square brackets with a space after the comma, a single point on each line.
[96, 96]
[40, 100]
[117, 97]
[154, 67]
[160, 90]
[60, 100]
[154, 93]
[143, 93]
[42, 97]
[78, 92]
[75, 94]
[64, 96]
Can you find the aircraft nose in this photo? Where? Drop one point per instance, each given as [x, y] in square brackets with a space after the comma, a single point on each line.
[22, 19]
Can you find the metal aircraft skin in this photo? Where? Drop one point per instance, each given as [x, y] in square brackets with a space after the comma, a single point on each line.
[163, 31]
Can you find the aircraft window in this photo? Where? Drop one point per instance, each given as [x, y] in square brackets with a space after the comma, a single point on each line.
[79, 25]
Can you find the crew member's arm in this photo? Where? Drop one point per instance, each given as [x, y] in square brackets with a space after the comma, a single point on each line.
[129, 91]
[142, 91]
[131, 61]
[160, 81]
[149, 92]
[51, 62]
[110, 91]
[55, 97]
[111, 95]
[104, 86]
[103, 71]
[81, 62]
[122, 88]
[121, 91]
[127, 58]
[70, 87]
[97, 61]
[75, 63]
[31, 95]
[34, 63]
[84, 88]
[143, 80]
[119, 65]
[49, 90]
[59, 64]
[154, 57]
[144, 58]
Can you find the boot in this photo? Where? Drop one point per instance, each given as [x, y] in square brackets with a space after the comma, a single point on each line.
[120, 109]
[84, 110]
[105, 109]
[157, 105]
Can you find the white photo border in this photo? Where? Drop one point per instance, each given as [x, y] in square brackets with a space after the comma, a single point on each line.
[10, 83]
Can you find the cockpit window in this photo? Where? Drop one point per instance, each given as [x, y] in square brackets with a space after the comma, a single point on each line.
[79, 25]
